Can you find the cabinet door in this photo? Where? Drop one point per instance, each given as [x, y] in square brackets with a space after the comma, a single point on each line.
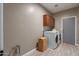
[45, 20]
[48, 21]
[52, 21]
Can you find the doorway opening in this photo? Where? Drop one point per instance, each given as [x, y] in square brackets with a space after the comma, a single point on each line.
[69, 30]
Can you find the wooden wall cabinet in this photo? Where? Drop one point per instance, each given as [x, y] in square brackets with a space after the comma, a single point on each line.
[48, 21]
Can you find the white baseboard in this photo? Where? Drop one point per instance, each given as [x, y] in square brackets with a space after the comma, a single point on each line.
[76, 44]
[29, 53]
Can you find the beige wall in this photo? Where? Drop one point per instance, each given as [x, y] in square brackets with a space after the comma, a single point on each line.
[70, 12]
[22, 25]
[78, 24]
[1, 26]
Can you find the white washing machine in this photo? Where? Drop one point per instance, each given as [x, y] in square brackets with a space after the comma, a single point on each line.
[53, 38]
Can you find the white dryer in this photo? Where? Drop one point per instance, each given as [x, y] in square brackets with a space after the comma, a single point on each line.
[53, 38]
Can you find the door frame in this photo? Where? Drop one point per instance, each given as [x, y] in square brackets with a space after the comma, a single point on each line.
[63, 28]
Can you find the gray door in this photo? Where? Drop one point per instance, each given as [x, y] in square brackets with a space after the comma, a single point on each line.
[69, 30]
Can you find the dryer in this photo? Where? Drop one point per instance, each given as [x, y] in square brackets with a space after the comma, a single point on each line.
[53, 38]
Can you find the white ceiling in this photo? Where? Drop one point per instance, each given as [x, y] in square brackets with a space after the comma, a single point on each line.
[61, 6]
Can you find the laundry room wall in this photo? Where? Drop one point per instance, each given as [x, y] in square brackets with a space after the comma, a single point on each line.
[1, 26]
[78, 24]
[23, 25]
